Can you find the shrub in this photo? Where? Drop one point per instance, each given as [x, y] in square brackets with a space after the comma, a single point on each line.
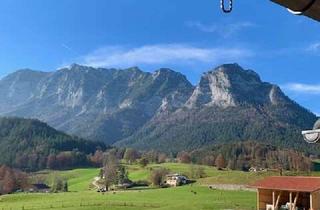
[158, 176]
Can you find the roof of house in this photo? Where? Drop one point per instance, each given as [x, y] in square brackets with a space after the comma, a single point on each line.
[289, 183]
[176, 175]
[41, 186]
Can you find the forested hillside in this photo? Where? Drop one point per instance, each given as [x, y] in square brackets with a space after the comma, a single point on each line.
[229, 104]
[32, 145]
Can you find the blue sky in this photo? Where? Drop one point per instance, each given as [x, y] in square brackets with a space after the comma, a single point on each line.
[189, 36]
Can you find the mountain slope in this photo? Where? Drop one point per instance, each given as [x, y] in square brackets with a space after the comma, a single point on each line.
[160, 110]
[26, 144]
[100, 104]
[229, 104]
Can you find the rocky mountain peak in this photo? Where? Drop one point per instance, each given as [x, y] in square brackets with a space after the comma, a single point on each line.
[135, 69]
[231, 85]
[236, 74]
[171, 78]
[166, 73]
[23, 74]
[76, 66]
[118, 102]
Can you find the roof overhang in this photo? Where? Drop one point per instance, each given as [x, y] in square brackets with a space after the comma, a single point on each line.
[288, 190]
[309, 8]
[289, 183]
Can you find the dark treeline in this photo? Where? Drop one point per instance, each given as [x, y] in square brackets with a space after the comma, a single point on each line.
[128, 155]
[235, 156]
[244, 155]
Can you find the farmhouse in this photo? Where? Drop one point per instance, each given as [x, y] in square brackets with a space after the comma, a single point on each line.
[43, 188]
[292, 193]
[176, 180]
[256, 169]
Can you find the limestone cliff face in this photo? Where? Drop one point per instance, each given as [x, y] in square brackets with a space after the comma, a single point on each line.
[213, 89]
[103, 104]
[150, 110]
[229, 104]
[19, 88]
[230, 85]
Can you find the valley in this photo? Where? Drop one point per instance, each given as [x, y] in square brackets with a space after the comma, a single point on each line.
[137, 126]
[159, 105]
[82, 195]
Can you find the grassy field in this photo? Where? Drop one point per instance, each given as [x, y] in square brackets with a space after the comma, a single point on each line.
[213, 176]
[78, 179]
[193, 197]
[187, 197]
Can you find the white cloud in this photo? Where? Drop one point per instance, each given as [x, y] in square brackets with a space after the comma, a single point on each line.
[314, 47]
[224, 30]
[162, 54]
[303, 88]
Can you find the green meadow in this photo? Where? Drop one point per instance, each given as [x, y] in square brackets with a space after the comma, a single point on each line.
[197, 196]
[213, 176]
[187, 197]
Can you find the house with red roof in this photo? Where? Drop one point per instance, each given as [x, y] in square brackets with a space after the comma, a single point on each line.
[288, 192]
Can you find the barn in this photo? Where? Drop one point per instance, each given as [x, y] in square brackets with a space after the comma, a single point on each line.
[288, 192]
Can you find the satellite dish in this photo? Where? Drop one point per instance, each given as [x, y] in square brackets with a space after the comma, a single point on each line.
[312, 136]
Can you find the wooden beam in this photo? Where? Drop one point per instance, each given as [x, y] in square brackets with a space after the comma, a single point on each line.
[297, 5]
[290, 200]
[273, 200]
[311, 202]
[295, 200]
[278, 200]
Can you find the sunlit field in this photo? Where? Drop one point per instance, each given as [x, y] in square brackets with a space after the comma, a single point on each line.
[82, 194]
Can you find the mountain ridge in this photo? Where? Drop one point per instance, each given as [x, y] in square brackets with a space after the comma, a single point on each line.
[128, 106]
